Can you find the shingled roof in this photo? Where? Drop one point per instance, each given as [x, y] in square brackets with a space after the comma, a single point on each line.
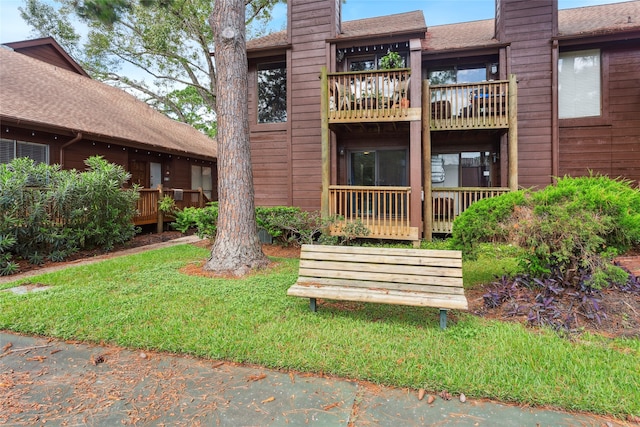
[580, 21]
[602, 19]
[34, 92]
[408, 22]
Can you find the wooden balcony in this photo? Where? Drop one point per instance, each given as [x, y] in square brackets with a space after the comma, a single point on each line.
[371, 96]
[448, 203]
[148, 212]
[385, 211]
[470, 106]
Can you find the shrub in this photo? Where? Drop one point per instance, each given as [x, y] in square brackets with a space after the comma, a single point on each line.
[203, 220]
[50, 212]
[574, 226]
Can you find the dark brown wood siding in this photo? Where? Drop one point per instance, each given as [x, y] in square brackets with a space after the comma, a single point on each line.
[612, 148]
[310, 27]
[528, 25]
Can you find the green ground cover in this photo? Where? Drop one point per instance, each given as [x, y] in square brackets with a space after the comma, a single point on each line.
[144, 301]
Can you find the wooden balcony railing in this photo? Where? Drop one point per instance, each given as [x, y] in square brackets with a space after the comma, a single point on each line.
[148, 212]
[369, 96]
[448, 203]
[383, 210]
[472, 106]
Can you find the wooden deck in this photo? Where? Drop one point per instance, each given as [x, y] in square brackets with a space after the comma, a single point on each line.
[147, 207]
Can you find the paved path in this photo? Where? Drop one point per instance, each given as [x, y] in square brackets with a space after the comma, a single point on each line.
[52, 382]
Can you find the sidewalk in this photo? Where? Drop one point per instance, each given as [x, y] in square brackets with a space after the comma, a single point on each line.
[69, 383]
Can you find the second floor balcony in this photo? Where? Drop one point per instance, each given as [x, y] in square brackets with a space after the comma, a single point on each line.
[384, 96]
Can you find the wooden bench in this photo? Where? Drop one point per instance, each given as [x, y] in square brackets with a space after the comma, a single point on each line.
[416, 277]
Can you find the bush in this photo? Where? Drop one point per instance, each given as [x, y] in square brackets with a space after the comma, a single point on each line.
[573, 227]
[203, 220]
[50, 213]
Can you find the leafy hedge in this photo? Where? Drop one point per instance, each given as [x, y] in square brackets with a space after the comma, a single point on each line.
[574, 226]
[287, 225]
[47, 213]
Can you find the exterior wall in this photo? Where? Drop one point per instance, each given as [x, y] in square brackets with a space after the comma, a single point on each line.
[286, 157]
[179, 167]
[529, 26]
[611, 148]
[310, 27]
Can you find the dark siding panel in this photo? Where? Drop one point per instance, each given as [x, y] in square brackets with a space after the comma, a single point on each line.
[612, 150]
[269, 158]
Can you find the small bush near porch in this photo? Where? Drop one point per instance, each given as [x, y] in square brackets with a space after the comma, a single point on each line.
[147, 301]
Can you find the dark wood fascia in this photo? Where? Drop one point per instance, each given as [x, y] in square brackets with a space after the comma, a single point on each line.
[265, 52]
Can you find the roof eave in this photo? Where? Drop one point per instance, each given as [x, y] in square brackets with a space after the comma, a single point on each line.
[92, 136]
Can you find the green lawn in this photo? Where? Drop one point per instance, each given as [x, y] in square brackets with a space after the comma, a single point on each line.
[143, 301]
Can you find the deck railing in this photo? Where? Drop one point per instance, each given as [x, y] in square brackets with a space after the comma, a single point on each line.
[448, 203]
[473, 105]
[148, 212]
[383, 210]
[369, 96]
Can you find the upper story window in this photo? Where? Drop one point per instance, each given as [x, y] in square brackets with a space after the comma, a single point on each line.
[371, 62]
[272, 92]
[579, 91]
[455, 75]
[11, 149]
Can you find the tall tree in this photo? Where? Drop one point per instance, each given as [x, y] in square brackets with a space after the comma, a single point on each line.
[153, 47]
[236, 247]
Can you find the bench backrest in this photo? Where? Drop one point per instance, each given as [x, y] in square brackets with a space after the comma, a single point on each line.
[433, 271]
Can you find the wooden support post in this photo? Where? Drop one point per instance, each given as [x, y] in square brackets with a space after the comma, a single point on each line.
[427, 214]
[513, 133]
[325, 142]
[160, 227]
[312, 304]
[443, 318]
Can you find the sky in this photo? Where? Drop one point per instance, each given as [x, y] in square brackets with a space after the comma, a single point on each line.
[436, 12]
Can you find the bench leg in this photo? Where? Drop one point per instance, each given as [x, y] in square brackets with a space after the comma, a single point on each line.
[312, 304]
[443, 319]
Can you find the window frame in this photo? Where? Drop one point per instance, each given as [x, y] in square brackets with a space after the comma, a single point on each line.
[16, 143]
[603, 119]
[271, 125]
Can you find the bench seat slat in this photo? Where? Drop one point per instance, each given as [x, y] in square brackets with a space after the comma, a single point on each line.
[384, 277]
[349, 250]
[381, 259]
[409, 270]
[327, 282]
[418, 299]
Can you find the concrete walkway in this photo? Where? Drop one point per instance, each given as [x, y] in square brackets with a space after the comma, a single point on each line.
[52, 382]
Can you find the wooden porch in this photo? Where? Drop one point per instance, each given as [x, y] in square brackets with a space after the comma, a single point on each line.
[385, 211]
[148, 212]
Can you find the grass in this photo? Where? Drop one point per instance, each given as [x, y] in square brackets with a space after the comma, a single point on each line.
[143, 301]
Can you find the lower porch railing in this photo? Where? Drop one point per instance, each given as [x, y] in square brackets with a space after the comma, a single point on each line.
[148, 212]
[447, 203]
[385, 211]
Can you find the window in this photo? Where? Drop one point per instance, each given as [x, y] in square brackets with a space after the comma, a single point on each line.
[272, 93]
[579, 91]
[201, 178]
[465, 169]
[11, 149]
[378, 168]
[454, 75]
[371, 62]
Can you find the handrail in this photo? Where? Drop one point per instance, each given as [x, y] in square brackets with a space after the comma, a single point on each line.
[470, 105]
[374, 94]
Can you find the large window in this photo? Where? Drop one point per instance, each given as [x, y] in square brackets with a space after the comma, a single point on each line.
[11, 149]
[579, 90]
[272, 93]
[371, 62]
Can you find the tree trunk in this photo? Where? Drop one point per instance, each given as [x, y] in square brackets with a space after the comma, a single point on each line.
[236, 248]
